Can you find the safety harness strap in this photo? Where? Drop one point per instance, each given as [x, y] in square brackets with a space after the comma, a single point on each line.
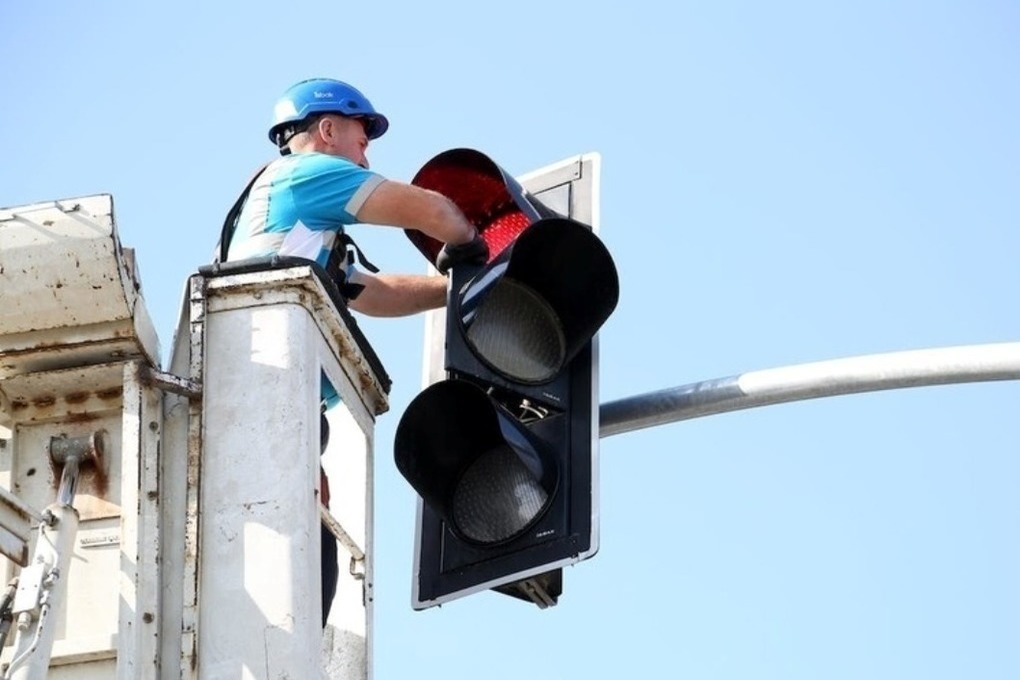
[344, 253]
[230, 223]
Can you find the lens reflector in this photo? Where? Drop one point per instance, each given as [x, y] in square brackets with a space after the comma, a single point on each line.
[518, 333]
[497, 498]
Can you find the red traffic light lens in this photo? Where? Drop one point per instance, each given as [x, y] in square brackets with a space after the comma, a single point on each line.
[490, 199]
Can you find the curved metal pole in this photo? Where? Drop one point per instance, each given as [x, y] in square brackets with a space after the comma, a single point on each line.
[870, 373]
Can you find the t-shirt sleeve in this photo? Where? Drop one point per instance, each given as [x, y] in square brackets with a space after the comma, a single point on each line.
[331, 189]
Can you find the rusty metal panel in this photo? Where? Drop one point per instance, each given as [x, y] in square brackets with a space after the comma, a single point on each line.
[87, 620]
[298, 285]
[71, 294]
[140, 610]
[63, 246]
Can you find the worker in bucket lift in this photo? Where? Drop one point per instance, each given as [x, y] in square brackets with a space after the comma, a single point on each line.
[301, 204]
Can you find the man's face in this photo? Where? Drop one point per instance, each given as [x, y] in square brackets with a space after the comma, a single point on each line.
[346, 137]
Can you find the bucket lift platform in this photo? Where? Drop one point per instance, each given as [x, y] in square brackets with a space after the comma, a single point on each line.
[190, 541]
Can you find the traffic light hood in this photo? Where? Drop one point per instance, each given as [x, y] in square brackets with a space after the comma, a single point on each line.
[473, 462]
[489, 197]
[544, 297]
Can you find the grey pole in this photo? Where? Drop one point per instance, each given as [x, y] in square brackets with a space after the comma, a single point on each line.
[870, 373]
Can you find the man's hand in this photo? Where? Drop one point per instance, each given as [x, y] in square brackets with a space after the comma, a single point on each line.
[475, 251]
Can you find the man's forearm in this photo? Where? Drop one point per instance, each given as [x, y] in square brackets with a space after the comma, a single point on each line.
[399, 294]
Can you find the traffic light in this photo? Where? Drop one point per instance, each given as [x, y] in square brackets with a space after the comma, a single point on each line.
[503, 451]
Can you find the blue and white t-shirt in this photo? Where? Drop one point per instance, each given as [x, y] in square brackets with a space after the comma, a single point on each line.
[298, 206]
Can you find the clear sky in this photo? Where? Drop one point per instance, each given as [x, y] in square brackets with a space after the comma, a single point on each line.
[782, 182]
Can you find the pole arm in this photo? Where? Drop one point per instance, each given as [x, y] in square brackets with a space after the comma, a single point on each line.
[869, 373]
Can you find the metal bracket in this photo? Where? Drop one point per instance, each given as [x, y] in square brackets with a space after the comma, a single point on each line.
[357, 554]
[74, 454]
[168, 382]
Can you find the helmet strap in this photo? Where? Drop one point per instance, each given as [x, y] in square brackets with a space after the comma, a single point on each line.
[283, 138]
[286, 134]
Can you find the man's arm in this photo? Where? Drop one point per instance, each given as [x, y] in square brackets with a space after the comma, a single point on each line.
[405, 205]
[398, 294]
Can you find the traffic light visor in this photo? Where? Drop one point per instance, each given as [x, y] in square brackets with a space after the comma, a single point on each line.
[532, 310]
[490, 199]
[473, 462]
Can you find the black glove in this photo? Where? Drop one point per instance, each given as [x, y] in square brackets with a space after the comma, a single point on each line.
[475, 251]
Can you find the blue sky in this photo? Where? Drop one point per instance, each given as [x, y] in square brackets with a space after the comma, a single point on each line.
[782, 182]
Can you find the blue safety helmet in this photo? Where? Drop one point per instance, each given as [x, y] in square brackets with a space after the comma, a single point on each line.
[322, 95]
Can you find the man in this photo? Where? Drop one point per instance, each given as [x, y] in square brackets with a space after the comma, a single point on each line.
[300, 205]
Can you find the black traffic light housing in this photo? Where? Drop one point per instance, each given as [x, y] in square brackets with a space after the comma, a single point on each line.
[501, 452]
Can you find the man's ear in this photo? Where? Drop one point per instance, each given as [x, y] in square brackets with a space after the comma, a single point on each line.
[325, 127]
